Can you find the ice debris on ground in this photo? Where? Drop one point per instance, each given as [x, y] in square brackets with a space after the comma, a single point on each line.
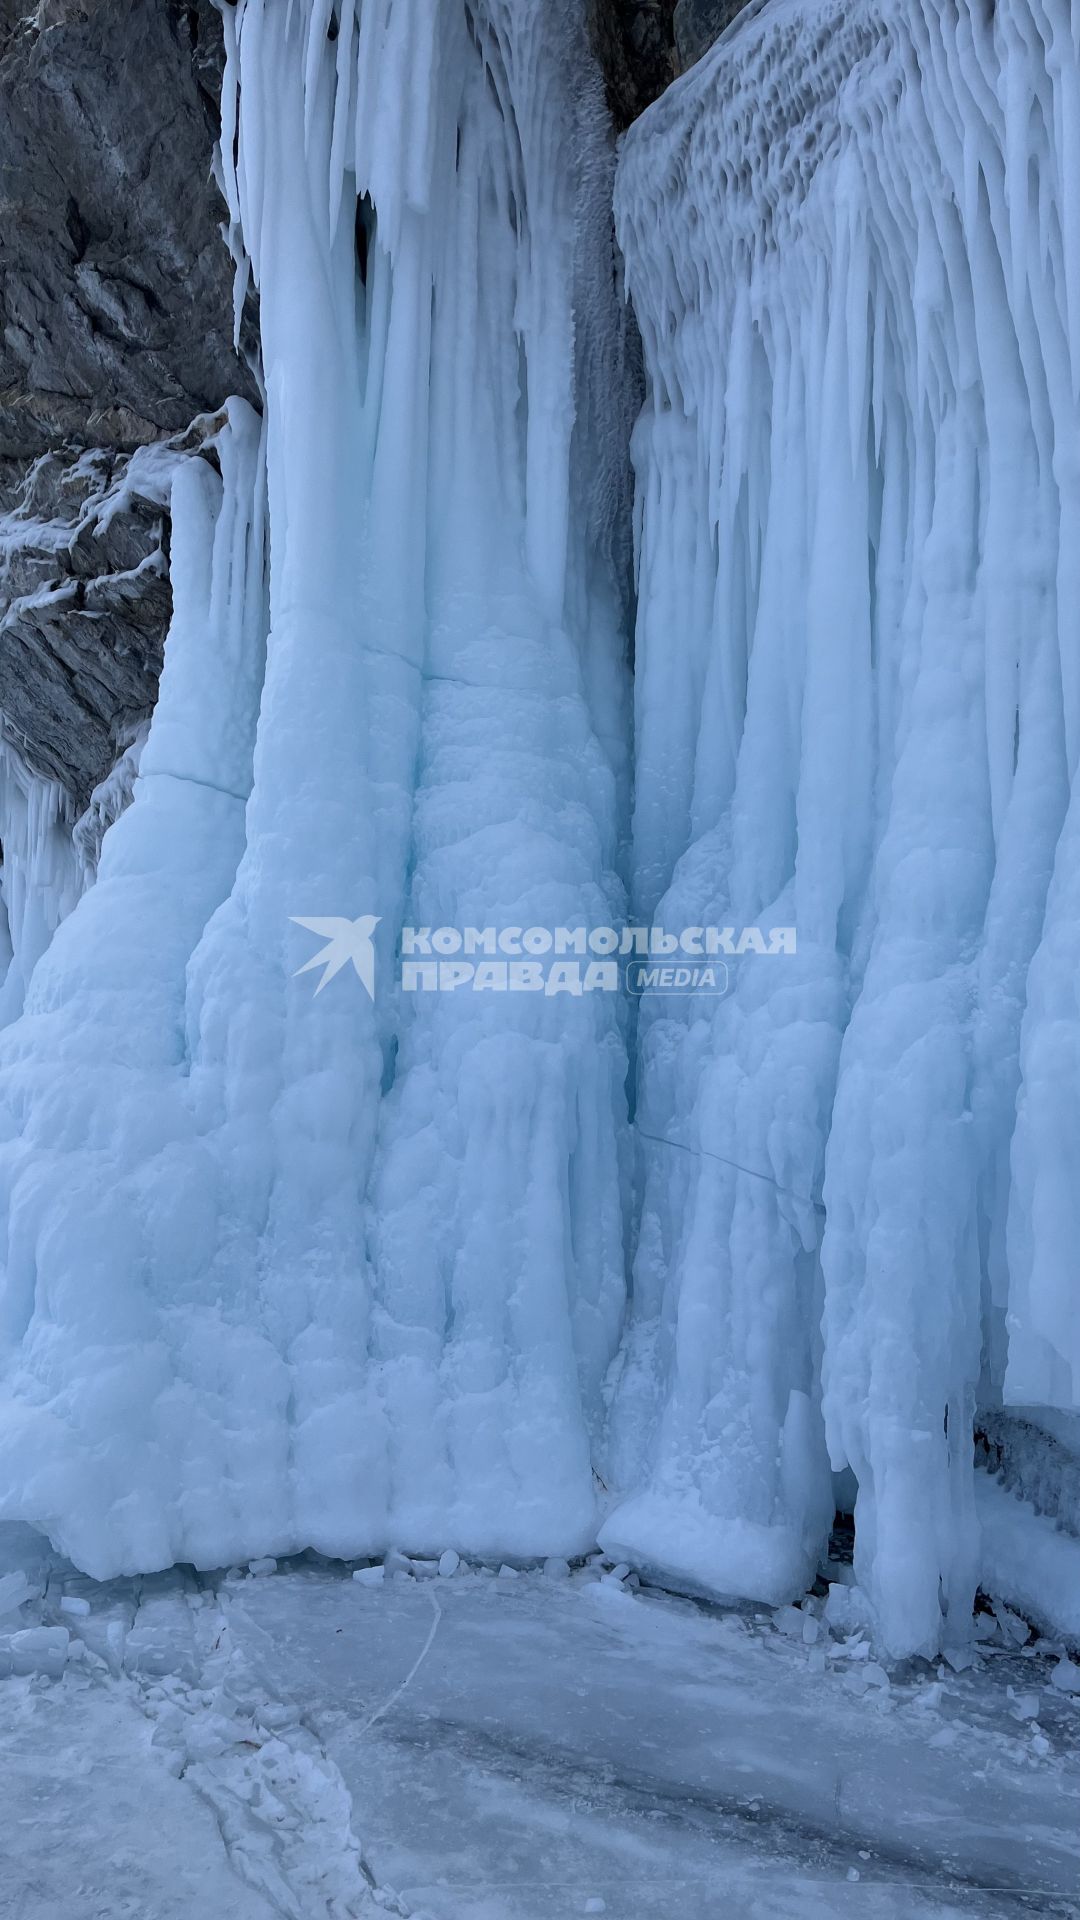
[265, 1695]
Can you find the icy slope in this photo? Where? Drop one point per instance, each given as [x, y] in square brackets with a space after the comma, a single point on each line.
[853, 241]
[282, 1270]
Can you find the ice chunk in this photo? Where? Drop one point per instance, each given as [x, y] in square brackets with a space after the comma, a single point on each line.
[1066, 1676]
[39, 1650]
[14, 1589]
[789, 1620]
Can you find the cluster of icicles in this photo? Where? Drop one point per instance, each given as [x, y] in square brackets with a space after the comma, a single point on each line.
[284, 1272]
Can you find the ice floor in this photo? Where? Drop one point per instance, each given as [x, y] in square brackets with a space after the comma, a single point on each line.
[480, 1747]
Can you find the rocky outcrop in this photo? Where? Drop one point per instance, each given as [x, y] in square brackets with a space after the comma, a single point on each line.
[85, 603]
[115, 288]
[634, 41]
[698, 23]
[116, 327]
[643, 45]
[82, 628]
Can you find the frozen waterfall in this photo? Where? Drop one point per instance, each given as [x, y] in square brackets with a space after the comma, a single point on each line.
[853, 243]
[286, 1269]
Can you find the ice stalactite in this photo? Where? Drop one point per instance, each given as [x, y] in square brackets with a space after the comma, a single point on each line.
[286, 1271]
[853, 240]
[40, 876]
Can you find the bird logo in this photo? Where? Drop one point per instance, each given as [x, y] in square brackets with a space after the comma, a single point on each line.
[345, 940]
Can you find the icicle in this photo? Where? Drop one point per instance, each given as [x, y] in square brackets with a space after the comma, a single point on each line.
[40, 877]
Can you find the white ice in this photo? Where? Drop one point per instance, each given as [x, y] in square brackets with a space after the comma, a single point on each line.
[286, 1272]
[469, 1747]
[852, 238]
[41, 877]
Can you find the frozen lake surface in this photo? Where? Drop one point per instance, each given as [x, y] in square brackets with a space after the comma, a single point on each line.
[478, 1747]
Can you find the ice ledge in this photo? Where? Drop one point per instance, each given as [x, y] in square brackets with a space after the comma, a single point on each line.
[683, 1548]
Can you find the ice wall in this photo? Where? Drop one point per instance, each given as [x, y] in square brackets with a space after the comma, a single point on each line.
[853, 242]
[282, 1270]
[286, 1270]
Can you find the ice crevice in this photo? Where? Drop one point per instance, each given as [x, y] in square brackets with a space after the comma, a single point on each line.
[260, 1764]
[346, 1274]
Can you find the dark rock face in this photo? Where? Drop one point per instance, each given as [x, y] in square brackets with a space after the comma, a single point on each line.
[698, 23]
[115, 331]
[84, 605]
[634, 41]
[643, 45]
[115, 288]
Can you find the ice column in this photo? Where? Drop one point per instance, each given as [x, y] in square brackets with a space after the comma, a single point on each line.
[498, 1201]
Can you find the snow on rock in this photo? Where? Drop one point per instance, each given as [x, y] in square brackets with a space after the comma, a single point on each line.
[852, 237]
[1036, 1457]
[83, 605]
[284, 1272]
[1026, 1561]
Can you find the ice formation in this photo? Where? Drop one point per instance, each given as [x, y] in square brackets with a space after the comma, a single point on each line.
[49, 848]
[853, 242]
[40, 873]
[288, 1271]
